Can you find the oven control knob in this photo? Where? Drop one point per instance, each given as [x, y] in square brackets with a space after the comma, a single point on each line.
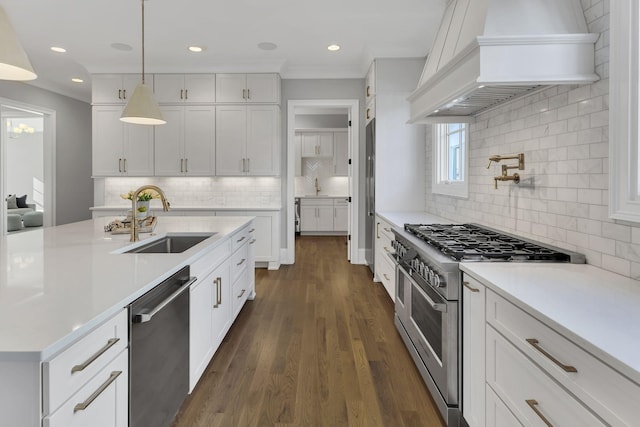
[437, 281]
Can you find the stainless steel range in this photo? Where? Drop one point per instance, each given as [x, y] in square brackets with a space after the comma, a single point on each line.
[428, 289]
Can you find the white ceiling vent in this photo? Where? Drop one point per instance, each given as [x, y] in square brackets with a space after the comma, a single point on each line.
[489, 51]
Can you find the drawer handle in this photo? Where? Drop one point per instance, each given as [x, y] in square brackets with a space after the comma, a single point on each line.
[377, 230]
[84, 405]
[92, 359]
[241, 293]
[218, 283]
[241, 261]
[387, 229]
[252, 241]
[535, 344]
[386, 249]
[252, 230]
[240, 240]
[386, 277]
[471, 288]
[533, 404]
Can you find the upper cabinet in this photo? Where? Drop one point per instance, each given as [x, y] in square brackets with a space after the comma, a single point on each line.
[317, 144]
[185, 88]
[248, 88]
[120, 149]
[247, 140]
[115, 88]
[340, 154]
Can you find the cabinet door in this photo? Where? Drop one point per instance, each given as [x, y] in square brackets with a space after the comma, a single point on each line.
[231, 88]
[325, 218]
[325, 144]
[340, 218]
[231, 135]
[263, 88]
[107, 140]
[473, 352]
[130, 81]
[169, 88]
[340, 154]
[138, 150]
[263, 140]
[200, 88]
[199, 140]
[221, 317]
[308, 218]
[310, 142]
[169, 142]
[107, 89]
[201, 336]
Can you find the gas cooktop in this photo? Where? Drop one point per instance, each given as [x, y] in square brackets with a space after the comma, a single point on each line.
[471, 242]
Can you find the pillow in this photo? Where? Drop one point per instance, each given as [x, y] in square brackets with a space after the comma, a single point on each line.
[22, 201]
[11, 202]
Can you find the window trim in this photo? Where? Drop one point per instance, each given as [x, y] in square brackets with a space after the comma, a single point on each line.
[624, 204]
[458, 189]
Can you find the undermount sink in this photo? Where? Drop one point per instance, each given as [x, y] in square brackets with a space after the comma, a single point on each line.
[170, 244]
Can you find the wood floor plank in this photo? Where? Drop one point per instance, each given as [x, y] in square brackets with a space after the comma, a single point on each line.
[317, 347]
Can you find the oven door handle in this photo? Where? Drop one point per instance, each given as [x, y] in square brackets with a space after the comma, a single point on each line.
[441, 307]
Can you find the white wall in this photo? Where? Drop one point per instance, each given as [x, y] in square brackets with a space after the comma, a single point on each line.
[563, 196]
[24, 163]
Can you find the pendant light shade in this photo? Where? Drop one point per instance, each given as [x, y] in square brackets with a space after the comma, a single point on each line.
[14, 63]
[142, 108]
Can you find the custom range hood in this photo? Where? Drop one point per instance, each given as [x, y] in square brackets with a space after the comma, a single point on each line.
[489, 51]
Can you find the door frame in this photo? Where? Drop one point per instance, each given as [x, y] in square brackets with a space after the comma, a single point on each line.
[353, 108]
[49, 164]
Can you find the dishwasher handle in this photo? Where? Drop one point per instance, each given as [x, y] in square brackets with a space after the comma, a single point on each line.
[145, 317]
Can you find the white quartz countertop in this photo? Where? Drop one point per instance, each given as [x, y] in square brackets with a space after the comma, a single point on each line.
[596, 309]
[399, 219]
[203, 208]
[58, 283]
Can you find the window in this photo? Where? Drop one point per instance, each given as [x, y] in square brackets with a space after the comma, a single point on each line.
[450, 159]
[624, 179]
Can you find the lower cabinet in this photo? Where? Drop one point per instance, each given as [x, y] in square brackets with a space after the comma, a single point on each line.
[473, 352]
[324, 216]
[384, 268]
[498, 415]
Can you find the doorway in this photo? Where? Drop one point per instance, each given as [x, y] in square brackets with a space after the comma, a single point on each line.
[350, 109]
[27, 158]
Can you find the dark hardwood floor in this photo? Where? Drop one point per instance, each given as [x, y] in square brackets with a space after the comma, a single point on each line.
[317, 347]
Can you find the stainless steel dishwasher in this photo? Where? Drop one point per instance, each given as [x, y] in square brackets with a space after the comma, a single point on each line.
[159, 352]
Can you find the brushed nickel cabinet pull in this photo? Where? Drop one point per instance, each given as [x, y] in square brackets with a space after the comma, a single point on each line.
[385, 276]
[186, 94]
[181, 165]
[252, 241]
[252, 230]
[377, 230]
[241, 293]
[386, 249]
[241, 261]
[124, 94]
[533, 404]
[388, 230]
[181, 91]
[244, 165]
[248, 165]
[468, 286]
[186, 165]
[368, 111]
[124, 162]
[368, 90]
[536, 344]
[244, 93]
[248, 93]
[89, 361]
[241, 239]
[84, 405]
[120, 165]
[218, 282]
[119, 93]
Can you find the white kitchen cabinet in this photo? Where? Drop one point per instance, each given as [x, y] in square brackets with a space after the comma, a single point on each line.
[102, 401]
[185, 88]
[120, 149]
[248, 88]
[340, 154]
[185, 145]
[328, 216]
[248, 140]
[383, 267]
[317, 144]
[498, 415]
[340, 215]
[115, 88]
[473, 352]
[266, 233]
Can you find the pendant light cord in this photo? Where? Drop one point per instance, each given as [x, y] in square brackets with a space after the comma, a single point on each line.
[142, 1]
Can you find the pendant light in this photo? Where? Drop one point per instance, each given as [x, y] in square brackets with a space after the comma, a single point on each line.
[142, 108]
[14, 63]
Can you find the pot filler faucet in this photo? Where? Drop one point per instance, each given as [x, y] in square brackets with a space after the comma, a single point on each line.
[134, 207]
[505, 169]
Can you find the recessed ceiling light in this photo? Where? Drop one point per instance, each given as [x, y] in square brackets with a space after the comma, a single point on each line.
[196, 48]
[333, 47]
[58, 49]
[77, 80]
[121, 46]
[267, 46]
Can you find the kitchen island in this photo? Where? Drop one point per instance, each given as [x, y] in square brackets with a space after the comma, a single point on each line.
[59, 284]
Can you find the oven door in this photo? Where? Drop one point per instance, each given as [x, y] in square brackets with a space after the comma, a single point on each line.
[432, 325]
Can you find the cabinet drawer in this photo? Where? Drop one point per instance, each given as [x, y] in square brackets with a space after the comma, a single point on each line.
[203, 265]
[240, 291]
[66, 373]
[239, 261]
[241, 237]
[383, 230]
[387, 275]
[530, 394]
[103, 401]
[611, 395]
[498, 415]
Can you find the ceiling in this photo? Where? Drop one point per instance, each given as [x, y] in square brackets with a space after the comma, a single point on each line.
[230, 31]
